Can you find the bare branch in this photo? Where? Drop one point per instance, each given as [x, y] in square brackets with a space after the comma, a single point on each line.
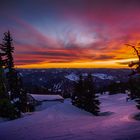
[136, 50]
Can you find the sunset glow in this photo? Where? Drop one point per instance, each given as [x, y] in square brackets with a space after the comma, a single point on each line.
[72, 34]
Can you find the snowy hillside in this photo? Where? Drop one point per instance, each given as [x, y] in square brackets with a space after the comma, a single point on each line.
[62, 121]
[103, 76]
[72, 77]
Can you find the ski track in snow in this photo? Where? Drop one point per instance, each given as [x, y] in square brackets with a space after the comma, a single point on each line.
[62, 121]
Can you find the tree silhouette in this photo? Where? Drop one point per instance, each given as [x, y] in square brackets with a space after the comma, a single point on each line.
[77, 98]
[135, 82]
[14, 82]
[91, 102]
[2, 80]
[85, 96]
[13, 97]
[11, 74]
[135, 65]
[8, 49]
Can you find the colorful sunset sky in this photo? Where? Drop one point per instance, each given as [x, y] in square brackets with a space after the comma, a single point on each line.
[71, 33]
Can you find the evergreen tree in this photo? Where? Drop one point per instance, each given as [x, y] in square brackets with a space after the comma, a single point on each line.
[8, 49]
[77, 99]
[84, 95]
[17, 95]
[6, 108]
[13, 98]
[91, 99]
[2, 81]
[115, 87]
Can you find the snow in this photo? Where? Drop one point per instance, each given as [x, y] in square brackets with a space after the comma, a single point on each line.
[85, 74]
[46, 97]
[103, 76]
[72, 77]
[40, 79]
[2, 119]
[62, 121]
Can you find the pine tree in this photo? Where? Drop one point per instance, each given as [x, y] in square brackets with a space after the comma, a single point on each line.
[2, 81]
[6, 108]
[77, 99]
[85, 96]
[15, 88]
[16, 101]
[8, 49]
[91, 99]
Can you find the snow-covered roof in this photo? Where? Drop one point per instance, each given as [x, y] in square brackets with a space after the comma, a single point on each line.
[39, 97]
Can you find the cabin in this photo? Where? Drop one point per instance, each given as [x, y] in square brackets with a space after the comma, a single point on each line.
[37, 99]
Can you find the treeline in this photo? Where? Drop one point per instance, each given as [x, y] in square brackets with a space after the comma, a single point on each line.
[13, 97]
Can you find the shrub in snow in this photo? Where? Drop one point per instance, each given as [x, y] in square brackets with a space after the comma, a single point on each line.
[117, 87]
[134, 86]
[8, 110]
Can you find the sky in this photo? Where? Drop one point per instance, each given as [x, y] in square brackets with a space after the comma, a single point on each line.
[71, 33]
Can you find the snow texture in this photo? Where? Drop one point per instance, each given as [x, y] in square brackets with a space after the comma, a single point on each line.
[63, 121]
[72, 77]
[103, 76]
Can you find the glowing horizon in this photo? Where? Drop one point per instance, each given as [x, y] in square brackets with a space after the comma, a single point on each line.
[97, 64]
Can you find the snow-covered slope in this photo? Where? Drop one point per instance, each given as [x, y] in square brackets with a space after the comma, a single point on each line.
[103, 76]
[62, 121]
[72, 77]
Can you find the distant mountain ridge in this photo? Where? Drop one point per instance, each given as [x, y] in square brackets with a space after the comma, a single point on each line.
[58, 80]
